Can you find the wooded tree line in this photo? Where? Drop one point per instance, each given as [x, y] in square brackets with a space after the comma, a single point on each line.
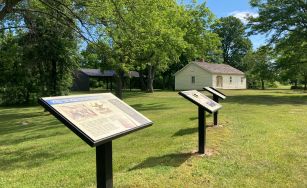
[42, 42]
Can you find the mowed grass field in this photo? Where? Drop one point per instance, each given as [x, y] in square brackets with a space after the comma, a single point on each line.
[262, 143]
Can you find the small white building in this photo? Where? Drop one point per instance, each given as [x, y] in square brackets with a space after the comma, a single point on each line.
[197, 75]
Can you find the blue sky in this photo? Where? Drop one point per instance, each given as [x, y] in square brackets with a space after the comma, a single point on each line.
[237, 8]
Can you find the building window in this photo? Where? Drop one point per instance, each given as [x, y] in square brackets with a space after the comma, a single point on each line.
[193, 80]
[230, 79]
[242, 80]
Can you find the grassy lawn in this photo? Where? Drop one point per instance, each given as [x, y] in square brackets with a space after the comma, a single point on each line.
[262, 144]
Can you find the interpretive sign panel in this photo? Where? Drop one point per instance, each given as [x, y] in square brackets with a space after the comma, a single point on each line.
[201, 100]
[215, 92]
[96, 118]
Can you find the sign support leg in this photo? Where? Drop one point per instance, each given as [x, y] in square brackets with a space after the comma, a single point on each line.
[201, 130]
[104, 165]
[215, 119]
[215, 114]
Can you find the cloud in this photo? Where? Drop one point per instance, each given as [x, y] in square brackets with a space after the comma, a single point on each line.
[243, 15]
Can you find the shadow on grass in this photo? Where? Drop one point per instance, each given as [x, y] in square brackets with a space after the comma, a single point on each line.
[31, 157]
[172, 160]
[191, 130]
[186, 131]
[8, 115]
[267, 100]
[17, 125]
[152, 106]
[41, 134]
[133, 94]
[195, 118]
[34, 124]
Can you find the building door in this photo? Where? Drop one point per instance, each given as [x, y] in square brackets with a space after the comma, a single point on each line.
[219, 81]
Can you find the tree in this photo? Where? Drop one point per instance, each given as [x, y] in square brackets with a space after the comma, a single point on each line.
[7, 6]
[142, 35]
[292, 63]
[203, 43]
[38, 61]
[286, 22]
[235, 44]
[260, 65]
[280, 18]
[68, 13]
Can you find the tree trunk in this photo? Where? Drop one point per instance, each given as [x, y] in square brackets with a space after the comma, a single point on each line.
[262, 84]
[163, 81]
[150, 79]
[142, 82]
[119, 84]
[305, 83]
[54, 78]
[295, 83]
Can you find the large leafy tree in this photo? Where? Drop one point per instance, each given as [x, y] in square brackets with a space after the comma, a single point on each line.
[7, 7]
[280, 18]
[286, 23]
[292, 64]
[67, 13]
[261, 67]
[40, 59]
[142, 35]
[202, 42]
[235, 44]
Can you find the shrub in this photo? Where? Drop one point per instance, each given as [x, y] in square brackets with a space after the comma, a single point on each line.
[15, 95]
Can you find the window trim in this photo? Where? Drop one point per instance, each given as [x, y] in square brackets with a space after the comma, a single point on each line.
[193, 79]
[242, 80]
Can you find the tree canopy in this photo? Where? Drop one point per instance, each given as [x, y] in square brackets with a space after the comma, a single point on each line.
[280, 18]
[285, 22]
[39, 60]
[235, 44]
[260, 67]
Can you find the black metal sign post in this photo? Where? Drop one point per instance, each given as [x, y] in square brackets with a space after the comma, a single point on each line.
[204, 104]
[104, 165]
[215, 114]
[201, 130]
[216, 95]
[86, 107]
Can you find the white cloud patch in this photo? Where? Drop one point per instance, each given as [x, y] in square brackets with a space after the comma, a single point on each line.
[243, 15]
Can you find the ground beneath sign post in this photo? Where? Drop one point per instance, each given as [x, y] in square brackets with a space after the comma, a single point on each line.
[262, 142]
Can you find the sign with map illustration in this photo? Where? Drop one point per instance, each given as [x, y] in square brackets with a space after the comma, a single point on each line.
[215, 92]
[96, 118]
[201, 100]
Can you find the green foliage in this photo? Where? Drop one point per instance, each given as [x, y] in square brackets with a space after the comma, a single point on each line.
[15, 74]
[150, 36]
[141, 35]
[292, 59]
[38, 61]
[280, 17]
[260, 66]
[286, 21]
[202, 42]
[235, 44]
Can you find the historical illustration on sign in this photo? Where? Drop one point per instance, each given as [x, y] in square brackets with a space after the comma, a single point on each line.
[215, 92]
[98, 115]
[202, 100]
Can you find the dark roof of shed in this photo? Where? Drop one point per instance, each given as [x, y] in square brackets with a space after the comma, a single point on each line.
[106, 73]
[92, 72]
[219, 68]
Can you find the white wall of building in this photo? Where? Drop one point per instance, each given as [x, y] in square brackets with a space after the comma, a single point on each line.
[230, 81]
[183, 78]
